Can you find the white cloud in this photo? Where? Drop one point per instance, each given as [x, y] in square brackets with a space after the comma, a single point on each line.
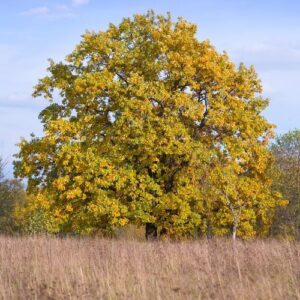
[266, 56]
[36, 11]
[80, 2]
[62, 8]
[60, 11]
[45, 13]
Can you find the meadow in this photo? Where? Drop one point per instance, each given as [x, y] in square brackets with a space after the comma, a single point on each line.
[97, 268]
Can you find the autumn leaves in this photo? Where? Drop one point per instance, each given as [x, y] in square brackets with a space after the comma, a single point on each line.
[151, 126]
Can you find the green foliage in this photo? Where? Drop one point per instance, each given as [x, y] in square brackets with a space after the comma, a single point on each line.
[151, 126]
[33, 216]
[286, 179]
[12, 195]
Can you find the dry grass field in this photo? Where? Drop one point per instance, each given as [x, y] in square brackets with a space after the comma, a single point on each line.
[86, 268]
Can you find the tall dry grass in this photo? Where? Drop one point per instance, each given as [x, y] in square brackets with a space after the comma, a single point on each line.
[74, 268]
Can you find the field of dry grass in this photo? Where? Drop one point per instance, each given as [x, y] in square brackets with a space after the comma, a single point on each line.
[74, 268]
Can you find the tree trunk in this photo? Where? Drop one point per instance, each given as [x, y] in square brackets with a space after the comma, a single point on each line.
[163, 234]
[151, 231]
[234, 229]
[209, 234]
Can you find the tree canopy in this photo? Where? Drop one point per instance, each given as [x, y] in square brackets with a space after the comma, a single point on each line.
[286, 179]
[148, 125]
[12, 195]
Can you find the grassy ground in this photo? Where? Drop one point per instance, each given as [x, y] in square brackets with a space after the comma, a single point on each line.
[73, 268]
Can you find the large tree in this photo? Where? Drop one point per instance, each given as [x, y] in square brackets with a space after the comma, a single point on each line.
[148, 125]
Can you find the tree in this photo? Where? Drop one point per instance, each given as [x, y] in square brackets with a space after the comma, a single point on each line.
[142, 120]
[33, 217]
[286, 179]
[12, 195]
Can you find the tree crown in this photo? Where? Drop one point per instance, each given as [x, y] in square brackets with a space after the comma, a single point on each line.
[148, 124]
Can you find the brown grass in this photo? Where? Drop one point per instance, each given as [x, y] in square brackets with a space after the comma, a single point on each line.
[74, 268]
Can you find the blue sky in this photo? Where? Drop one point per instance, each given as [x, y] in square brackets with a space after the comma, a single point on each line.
[262, 33]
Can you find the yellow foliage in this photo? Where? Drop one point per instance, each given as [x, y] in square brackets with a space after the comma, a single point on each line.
[153, 125]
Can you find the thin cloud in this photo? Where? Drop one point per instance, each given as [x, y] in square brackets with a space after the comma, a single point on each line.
[62, 8]
[36, 11]
[45, 13]
[61, 11]
[80, 2]
[266, 56]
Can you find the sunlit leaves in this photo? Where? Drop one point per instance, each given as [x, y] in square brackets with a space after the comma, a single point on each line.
[148, 124]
